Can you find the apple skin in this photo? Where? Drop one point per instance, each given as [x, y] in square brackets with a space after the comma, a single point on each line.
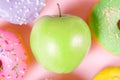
[59, 44]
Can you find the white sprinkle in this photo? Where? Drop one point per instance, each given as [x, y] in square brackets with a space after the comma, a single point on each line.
[16, 3]
[18, 17]
[8, 52]
[24, 7]
[19, 3]
[20, 10]
[28, 1]
[27, 10]
[43, 4]
[22, 72]
[10, 8]
[8, 0]
[22, 0]
[22, 19]
[24, 14]
[37, 2]
[36, 8]
[36, 14]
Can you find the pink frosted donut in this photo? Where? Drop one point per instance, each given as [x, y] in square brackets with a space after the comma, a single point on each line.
[13, 64]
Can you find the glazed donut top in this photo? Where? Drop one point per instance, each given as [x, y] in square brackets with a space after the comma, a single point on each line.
[105, 23]
[13, 58]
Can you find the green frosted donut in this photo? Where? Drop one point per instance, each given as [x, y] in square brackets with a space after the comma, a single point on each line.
[105, 24]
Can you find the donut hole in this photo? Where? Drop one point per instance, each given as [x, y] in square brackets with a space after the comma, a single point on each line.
[118, 24]
[1, 67]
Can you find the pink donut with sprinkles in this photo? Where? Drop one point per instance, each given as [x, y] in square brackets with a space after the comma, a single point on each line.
[13, 59]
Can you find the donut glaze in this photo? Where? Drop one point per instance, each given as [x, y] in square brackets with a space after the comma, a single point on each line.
[111, 73]
[13, 58]
[105, 24]
[20, 11]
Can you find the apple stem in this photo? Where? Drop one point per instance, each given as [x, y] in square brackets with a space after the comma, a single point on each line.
[60, 15]
[118, 24]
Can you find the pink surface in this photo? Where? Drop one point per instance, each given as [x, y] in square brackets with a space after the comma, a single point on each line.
[97, 58]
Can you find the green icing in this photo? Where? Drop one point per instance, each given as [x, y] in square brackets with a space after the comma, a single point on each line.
[103, 22]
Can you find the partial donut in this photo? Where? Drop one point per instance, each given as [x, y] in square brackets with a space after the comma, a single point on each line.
[20, 11]
[105, 24]
[13, 58]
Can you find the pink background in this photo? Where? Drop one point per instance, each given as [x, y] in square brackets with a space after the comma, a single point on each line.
[97, 58]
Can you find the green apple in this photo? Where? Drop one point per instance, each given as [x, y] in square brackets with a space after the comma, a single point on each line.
[60, 43]
[105, 24]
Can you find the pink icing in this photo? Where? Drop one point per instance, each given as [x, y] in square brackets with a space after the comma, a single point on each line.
[12, 57]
